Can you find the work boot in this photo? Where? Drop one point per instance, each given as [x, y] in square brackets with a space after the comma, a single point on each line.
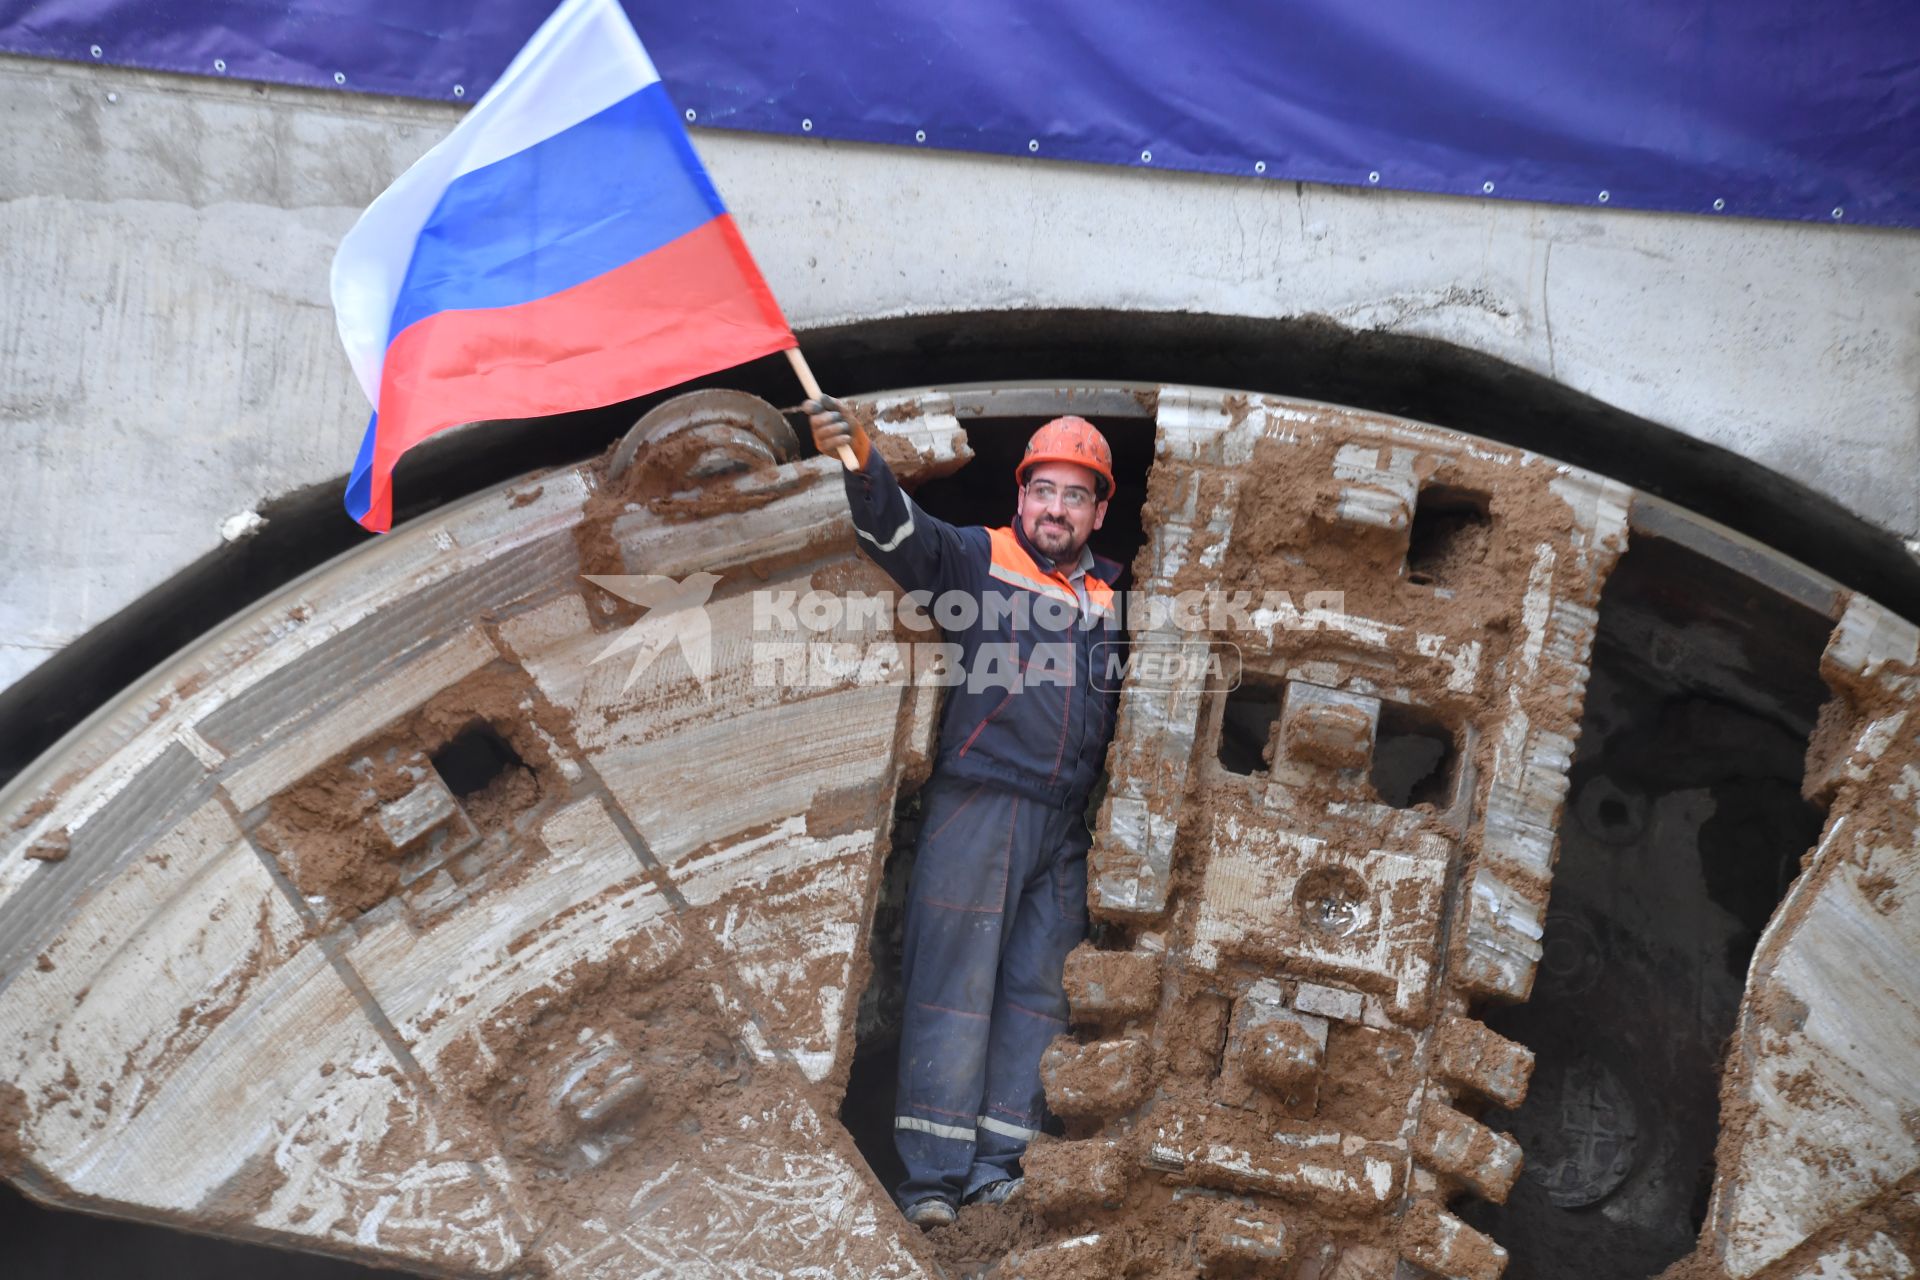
[996, 1192]
[930, 1213]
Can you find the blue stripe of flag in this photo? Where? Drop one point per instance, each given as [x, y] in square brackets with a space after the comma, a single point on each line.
[574, 206]
[360, 479]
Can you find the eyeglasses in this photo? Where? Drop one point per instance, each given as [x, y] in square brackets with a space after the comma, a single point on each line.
[1073, 498]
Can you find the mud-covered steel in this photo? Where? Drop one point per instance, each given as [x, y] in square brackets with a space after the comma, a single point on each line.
[273, 967]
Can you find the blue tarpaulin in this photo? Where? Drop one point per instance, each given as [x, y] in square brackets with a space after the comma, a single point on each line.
[1759, 108]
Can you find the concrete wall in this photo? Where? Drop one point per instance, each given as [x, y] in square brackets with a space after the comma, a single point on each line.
[168, 360]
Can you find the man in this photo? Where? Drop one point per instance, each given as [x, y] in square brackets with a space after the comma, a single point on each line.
[1000, 879]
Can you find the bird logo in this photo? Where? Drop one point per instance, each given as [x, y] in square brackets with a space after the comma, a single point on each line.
[676, 614]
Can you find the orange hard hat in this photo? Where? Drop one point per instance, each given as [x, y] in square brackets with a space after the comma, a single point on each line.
[1072, 440]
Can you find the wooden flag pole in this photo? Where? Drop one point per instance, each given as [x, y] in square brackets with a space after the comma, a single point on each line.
[811, 386]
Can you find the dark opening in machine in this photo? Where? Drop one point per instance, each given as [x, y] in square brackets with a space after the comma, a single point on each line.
[1246, 725]
[475, 759]
[1451, 527]
[1415, 758]
[1684, 826]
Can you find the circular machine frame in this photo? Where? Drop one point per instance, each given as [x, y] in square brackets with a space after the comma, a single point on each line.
[496, 897]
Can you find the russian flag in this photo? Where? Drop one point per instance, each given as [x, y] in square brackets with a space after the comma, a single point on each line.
[561, 249]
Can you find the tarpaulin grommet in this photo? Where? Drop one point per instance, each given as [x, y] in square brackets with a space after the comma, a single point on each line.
[1033, 144]
[691, 115]
[339, 77]
[1374, 177]
[1146, 157]
[1604, 197]
[220, 65]
[1838, 213]
[919, 135]
[1487, 187]
[1719, 204]
[94, 50]
[459, 91]
[1259, 166]
[806, 125]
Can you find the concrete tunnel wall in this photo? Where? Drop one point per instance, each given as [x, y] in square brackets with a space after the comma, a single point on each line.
[170, 361]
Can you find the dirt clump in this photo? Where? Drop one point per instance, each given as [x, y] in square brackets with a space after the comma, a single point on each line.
[515, 790]
[623, 1051]
[237, 1201]
[324, 836]
[1467, 1253]
[327, 832]
[16, 1148]
[42, 804]
[982, 1238]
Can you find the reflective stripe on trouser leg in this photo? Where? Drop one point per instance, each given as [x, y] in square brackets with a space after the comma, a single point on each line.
[1030, 1002]
[1005, 1130]
[975, 841]
[915, 1124]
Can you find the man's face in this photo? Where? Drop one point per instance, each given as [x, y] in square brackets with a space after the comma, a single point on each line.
[1057, 509]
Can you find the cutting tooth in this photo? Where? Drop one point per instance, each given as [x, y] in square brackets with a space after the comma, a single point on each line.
[1431, 1237]
[1104, 1078]
[1070, 1177]
[1112, 986]
[1274, 1049]
[1469, 1055]
[1089, 1257]
[1466, 1149]
[1244, 1242]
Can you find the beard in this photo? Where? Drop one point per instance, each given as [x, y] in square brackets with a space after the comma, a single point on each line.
[1055, 539]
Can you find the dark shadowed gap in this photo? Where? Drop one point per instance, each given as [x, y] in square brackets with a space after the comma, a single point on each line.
[1246, 725]
[475, 757]
[983, 491]
[867, 1108]
[1415, 759]
[1450, 526]
[58, 1244]
[1683, 828]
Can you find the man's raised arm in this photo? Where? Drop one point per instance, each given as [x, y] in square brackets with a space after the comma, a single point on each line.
[918, 551]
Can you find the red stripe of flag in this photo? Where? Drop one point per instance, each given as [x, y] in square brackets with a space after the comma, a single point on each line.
[694, 305]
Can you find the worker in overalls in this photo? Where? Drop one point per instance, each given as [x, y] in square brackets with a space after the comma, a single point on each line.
[999, 891]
